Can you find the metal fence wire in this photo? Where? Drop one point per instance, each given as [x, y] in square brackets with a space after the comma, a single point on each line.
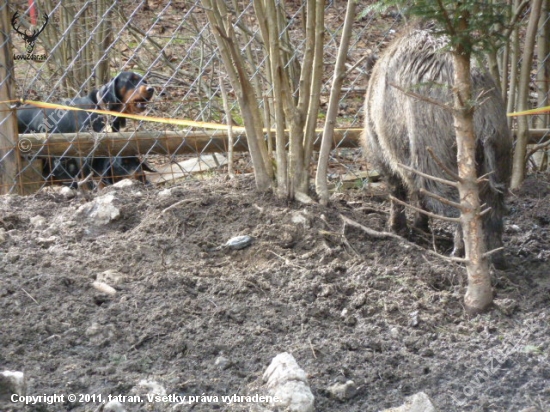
[86, 47]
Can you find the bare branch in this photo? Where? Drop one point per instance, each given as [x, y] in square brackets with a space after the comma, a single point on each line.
[389, 235]
[434, 215]
[427, 176]
[490, 252]
[438, 161]
[424, 98]
[536, 148]
[485, 211]
[440, 198]
[484, 177]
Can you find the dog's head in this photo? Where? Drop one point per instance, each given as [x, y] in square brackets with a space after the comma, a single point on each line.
[126, 93]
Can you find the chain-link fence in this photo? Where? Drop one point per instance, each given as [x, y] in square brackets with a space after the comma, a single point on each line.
[94, 50]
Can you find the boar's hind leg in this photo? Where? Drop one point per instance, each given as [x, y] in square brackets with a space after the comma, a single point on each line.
[421, 220]
[398, 219]
[458, 249]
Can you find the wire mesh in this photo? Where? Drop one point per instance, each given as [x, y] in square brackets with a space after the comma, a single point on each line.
[86, 44]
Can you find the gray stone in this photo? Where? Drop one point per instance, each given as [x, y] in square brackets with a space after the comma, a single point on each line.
[239, 242]
[287, 382]
[419, 402]
[124, 183]
[222, 362]
[343, 391]
[113, 406]
[11, 382]
[101, 210]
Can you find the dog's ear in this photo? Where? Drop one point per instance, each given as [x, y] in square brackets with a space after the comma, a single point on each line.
[108, 95]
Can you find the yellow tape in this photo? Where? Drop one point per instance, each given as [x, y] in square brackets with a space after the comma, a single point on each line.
[165, 120]
[540, 110]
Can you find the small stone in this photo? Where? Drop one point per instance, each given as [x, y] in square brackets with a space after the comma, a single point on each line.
[350, 321]
[427, 353]
[394, 332]
[419, 402]
[111, 277]
[67, 192]
[93, 330]
[11, 382]
[3, 236]
[303, 198]
[165, 193]
[104, 288]
[222, 362]
[288, 382]
[11, 257]
[46, 241]
[300, 218]
[101, 210]
[124, 183]
[343, 391]
[239, 242]
[414, 319]
[38, 221]
[113, 406]
[506, 306]
[149, 387]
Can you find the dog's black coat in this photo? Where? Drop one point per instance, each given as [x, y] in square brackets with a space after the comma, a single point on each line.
[126, 93]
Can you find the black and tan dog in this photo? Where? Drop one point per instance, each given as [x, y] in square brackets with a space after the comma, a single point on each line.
[126, 93]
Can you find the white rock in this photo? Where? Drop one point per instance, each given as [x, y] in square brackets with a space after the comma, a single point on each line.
[104, 288]
[300, 218]
[67, 192]
[419, 402]
[101, 210]
[11, 382]
[343, 391]
[303, 198]
[46, 241]
[100, 334]
[165, 193]
[239, 242]
[124, 183]
[222, 362]
[38, 221]
[288, 383]
[113, 406]
[111, 277]
[149, 387]
[93, 330]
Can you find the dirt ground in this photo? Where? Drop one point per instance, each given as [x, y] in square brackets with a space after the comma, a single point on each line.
[201, 319]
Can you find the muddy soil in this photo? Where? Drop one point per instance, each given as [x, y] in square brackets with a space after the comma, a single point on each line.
[200, 319]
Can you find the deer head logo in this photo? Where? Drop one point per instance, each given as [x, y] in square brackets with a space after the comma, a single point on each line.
[30, 39]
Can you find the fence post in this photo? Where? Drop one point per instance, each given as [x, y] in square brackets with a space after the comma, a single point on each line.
[8, 124]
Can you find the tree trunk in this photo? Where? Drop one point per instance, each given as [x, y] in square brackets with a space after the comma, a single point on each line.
[543, 64]
[332, 112]
[518, 174]
[244, 91]
[479, 294]
[8, 121]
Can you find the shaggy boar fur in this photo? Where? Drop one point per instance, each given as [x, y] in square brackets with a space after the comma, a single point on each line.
[399, 128]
